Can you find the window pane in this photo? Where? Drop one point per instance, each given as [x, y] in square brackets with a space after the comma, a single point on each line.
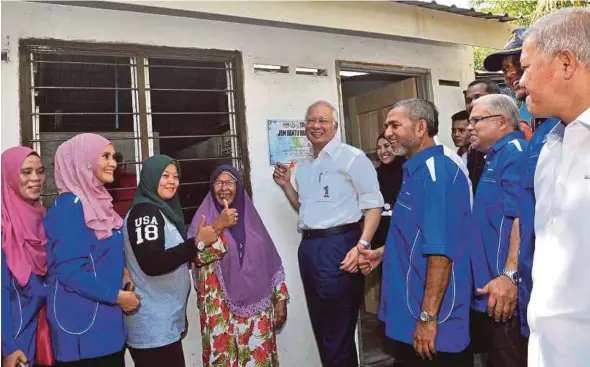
[75, 94]
[192, 126]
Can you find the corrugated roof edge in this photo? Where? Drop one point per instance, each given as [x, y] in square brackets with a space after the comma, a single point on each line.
[457, 10]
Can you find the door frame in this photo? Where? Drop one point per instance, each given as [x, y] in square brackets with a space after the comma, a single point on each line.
[424, 90]
[422, 75]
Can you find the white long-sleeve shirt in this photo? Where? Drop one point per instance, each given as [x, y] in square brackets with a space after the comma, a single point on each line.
[559, 309]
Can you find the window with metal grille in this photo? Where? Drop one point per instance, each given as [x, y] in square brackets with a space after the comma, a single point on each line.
[147, 100]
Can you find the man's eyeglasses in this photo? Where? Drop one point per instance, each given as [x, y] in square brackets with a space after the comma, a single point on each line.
[321, 120]
[228, 184]
[474, 120]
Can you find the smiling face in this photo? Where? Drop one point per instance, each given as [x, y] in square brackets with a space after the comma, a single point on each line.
[320, 127]
[385, 151]
[31, 178]
[512, 74]
[224, 188]
[169, 182]
[401, 132]
[105, 168]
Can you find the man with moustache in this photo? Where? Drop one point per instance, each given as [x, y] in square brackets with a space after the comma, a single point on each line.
[336, 187]
[556, 62]
[495, 130]
[427, 286]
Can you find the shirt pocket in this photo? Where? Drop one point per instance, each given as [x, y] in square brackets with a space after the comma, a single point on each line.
[332, 186]
[490, 191]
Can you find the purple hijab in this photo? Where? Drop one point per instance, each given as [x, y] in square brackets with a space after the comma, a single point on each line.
[248, 285]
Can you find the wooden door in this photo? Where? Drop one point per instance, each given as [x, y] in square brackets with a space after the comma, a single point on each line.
[369, 110]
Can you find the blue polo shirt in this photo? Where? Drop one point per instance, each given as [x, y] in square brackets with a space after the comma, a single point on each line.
[429, 217]
[527, 220]
[497, 203]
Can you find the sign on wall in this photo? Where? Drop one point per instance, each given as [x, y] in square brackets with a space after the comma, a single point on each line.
[287, 141]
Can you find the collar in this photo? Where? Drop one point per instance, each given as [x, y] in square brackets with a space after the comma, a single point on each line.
[330, 148]
[585, 117]
[417, 161]
[505, 140]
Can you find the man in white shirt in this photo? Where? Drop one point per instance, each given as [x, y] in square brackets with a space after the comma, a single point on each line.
[336, 187]
[556, 60]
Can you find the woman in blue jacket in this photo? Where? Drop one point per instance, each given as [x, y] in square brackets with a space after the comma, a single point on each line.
[24, 257]
[86, 258]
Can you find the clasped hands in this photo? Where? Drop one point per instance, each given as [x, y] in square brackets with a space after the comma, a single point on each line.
[360, 258]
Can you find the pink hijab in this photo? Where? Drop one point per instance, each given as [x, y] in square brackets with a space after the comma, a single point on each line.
[74, 172]
[22, 221]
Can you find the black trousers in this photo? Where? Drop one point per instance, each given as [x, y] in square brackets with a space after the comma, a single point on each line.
[407, 357]
[111, 360]
[168, 355]
[333, 296]
[502, 341]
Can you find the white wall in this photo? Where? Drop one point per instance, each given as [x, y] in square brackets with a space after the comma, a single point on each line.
[267, 96]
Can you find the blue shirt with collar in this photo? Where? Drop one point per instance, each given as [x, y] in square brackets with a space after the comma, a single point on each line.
[84, 276]
[20, 312]
[497, 203]
[429, 218]
[527, 220]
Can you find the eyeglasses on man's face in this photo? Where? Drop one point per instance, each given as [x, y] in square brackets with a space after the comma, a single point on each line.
[320, 120]
[475, 120]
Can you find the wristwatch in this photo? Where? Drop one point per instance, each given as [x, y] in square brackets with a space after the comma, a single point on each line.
[200, 246]
[512, 275]
[425, 317]
[366, 244]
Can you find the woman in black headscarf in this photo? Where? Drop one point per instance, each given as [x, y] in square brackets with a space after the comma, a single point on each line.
[389, 174]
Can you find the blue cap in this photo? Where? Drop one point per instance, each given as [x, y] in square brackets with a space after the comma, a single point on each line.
[514, 46]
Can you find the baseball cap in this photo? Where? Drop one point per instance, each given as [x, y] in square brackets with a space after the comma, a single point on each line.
[494, 61]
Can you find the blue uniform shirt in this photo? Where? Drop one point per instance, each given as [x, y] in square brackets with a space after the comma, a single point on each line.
[429, 218]
[20, 312]
[84, 277]
[497, 203]
[527, 220]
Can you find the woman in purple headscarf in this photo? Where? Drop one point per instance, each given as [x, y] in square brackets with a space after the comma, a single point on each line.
[240, 283]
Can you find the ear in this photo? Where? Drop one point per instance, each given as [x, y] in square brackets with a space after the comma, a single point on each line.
[422, 128]
[568, 63]
[335, 125]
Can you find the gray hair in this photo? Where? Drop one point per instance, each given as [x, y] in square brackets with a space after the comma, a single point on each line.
[500, 104]
[564, 29]
[421, 109]
[323, 103]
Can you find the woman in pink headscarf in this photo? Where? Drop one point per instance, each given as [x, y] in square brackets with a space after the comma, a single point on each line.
[24, 259]
[87, 289]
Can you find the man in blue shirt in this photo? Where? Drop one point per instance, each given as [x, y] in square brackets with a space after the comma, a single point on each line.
[426, 270]
[495, 129]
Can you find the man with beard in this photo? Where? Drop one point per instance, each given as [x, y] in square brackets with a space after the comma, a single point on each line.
[495, 130]
[426, 270]
[337, 186]
[556, 60]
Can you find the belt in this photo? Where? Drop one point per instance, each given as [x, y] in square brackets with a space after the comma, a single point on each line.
[311, 233]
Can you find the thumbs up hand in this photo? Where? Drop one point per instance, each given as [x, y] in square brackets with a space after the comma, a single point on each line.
[205, 233]
[228, 217]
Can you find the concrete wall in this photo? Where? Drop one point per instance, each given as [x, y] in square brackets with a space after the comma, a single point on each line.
[267, 96]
